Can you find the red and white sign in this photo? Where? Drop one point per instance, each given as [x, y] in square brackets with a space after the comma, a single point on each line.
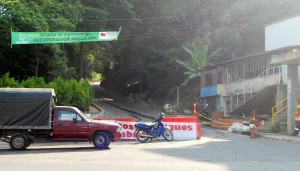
[183, 128]
[110, 34]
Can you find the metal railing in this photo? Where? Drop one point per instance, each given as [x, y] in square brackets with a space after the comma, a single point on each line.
[276, 112]
[234, 101]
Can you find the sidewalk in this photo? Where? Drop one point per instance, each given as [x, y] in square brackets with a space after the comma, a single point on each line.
[280, 137]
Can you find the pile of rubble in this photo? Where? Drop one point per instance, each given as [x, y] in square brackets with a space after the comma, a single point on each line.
[224, 124]
[234, 125]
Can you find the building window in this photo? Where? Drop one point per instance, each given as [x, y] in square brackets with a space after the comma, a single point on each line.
[208, 80]
[220, 77]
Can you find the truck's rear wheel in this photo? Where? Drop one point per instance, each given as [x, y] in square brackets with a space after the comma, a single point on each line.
[101, 140]
[18, 141]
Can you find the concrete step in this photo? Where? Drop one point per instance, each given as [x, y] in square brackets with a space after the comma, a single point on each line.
[279, 124]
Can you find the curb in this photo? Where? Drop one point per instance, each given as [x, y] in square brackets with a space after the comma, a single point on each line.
[283, 138]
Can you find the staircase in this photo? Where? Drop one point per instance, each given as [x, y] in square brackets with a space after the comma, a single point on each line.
[279, 124]
[251, 87]
[262, 102]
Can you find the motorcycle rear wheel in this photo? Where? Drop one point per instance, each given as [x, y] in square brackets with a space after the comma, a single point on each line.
[168, 135]
[139, 136]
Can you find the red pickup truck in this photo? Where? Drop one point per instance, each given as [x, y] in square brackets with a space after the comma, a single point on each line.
[29, 115]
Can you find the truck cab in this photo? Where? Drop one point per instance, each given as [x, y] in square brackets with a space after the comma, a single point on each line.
[70, 124]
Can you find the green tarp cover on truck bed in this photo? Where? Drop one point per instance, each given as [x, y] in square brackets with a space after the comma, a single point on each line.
[26, 108]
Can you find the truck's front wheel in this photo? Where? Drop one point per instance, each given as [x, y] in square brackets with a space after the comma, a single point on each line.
[18, 141]
[101, 140]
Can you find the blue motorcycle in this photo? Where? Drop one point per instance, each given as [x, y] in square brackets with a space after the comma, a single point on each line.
[144, 132]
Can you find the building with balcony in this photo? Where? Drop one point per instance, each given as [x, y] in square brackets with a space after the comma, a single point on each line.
[258, 81]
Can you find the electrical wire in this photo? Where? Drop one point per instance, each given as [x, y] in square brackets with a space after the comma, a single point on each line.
[141, 29]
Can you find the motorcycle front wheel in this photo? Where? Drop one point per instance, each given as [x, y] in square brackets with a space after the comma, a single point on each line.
[168, 135]
[140, 136]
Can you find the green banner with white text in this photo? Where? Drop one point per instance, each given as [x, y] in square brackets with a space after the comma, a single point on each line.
[61, 37]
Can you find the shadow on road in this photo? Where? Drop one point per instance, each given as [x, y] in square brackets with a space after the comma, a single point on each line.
[41, 149]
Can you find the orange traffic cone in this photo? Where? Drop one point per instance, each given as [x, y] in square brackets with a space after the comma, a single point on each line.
[253, 132]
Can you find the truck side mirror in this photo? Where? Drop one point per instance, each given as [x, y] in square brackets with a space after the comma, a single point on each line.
[74, 119]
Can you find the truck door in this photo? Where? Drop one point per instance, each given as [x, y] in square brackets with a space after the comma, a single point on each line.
[70, 125]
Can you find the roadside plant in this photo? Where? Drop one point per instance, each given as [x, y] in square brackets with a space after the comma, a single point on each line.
[7, 81]
[197, 62]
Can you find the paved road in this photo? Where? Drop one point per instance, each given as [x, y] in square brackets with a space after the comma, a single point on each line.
[115, 105]
[217, 150]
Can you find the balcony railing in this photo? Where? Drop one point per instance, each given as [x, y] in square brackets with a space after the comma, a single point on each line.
[239, 92]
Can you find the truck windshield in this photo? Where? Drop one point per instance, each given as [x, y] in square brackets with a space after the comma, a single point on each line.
[86, 116]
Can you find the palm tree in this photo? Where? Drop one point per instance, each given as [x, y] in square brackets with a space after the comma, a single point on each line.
[199, 60]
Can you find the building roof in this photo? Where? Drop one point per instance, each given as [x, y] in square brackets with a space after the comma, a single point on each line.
[281, 20]
[262, 54]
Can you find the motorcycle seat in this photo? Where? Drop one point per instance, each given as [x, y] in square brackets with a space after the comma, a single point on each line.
[146, 124]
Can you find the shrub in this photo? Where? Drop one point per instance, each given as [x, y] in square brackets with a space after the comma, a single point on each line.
[96, 77]
[81, 93]
[72, 92]
[68, 92]
[34, 82]
[62, 91]
[7, 81]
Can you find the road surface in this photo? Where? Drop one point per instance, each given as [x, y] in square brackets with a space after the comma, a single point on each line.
[114, 105]
[216, 150]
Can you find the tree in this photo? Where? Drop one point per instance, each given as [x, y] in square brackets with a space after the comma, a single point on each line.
[24, 61]
[199, 59]
[153, 34]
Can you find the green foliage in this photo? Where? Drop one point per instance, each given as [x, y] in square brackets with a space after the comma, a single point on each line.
[38, 16]
[72, 93]
[7, 81]
[96, 77]
[62, 90]
[27, 15]
[59, 65]
[153, 34]
[199, 59]
[34, 82]
[69, 92]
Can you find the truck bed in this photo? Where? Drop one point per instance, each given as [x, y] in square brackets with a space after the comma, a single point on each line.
[26, 108]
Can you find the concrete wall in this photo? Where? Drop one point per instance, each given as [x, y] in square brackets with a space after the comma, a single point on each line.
[249, 86]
